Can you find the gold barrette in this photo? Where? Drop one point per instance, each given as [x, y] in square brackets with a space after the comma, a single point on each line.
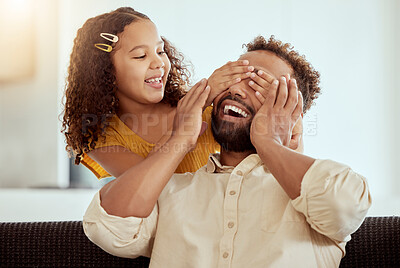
[109, 37]
[104, 47]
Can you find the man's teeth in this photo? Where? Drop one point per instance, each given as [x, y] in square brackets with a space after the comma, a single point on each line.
[235, 109]
[153, 80]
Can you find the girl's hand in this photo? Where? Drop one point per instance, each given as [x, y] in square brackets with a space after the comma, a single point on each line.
[261, 83]
[188, 123]
[226, 76]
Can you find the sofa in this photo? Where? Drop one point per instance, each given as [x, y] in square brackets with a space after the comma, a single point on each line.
[63, 244]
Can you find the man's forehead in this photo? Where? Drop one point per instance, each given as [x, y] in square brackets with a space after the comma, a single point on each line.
[268, 62]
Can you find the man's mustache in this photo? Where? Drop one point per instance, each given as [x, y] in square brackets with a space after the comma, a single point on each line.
[234, 98]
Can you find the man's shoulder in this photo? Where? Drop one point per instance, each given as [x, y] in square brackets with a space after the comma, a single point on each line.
[187, 176]
[180, 181]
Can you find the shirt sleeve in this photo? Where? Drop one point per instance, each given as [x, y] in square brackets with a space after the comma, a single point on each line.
[334, 199]
[110, 138]
[128, 237]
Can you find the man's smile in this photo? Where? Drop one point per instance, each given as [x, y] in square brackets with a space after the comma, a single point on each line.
[234, 110]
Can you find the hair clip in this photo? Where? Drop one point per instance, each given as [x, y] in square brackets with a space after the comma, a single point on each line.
[109, 37]
[104, 47]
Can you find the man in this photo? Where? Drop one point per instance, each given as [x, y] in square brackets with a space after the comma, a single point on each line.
[259, 203]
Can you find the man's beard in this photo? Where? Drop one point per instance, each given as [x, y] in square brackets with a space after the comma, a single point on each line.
[232, 137]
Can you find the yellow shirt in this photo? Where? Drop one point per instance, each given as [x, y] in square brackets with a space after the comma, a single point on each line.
[240, 217]
[118, 133]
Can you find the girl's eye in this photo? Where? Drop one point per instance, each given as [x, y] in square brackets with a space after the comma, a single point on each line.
[141, 57]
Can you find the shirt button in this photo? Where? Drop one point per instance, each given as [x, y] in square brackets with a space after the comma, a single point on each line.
[225, 255]
[231, 224]
[232, 192]
[240, 173]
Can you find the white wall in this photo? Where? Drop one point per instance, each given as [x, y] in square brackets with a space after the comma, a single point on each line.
[352, 43]
[28, 111]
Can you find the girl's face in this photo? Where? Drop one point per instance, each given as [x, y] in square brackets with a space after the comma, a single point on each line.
[141, 65]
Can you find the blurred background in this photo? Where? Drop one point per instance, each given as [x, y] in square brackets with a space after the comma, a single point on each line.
[353, 43]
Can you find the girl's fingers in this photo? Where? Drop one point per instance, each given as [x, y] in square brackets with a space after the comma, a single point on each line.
[200, 89]
[260, 97]
[263, 80]
[232, 70]
[226, 83]
[232, 64]
[194, 92]
[266, 76]
[203, 96]
[236, 78]
[259, 89]
[237, 63]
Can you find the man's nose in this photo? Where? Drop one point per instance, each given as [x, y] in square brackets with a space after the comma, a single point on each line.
[239, 90]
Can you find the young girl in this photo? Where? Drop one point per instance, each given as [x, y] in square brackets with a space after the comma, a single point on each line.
[124, 83]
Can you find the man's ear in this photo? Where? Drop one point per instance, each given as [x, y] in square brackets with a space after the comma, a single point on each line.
[295, 141]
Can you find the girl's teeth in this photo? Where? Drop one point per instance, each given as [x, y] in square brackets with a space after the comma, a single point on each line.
[153, 80]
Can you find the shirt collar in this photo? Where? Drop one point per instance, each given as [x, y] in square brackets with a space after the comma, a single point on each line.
[249, 163]
[214, 165]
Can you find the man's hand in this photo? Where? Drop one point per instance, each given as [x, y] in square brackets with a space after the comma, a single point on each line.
[224, 77]
[271, 133]
[188, 118]
[281, 109]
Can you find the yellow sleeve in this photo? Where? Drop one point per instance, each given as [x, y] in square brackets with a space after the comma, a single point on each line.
[118, 136]
[209, 142]
[110, 139]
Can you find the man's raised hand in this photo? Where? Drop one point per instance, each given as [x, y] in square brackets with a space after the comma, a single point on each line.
[281, 109]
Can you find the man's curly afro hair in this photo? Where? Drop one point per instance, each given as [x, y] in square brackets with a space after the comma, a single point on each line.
[306, 76]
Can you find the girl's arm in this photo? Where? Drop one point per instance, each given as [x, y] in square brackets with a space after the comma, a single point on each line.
[135, 191]
[115, 159]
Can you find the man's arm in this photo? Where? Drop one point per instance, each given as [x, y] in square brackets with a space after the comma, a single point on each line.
[287, 166]
[333, 198]
[271, 133]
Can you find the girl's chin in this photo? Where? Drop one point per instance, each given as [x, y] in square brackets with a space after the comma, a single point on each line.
[156, 98]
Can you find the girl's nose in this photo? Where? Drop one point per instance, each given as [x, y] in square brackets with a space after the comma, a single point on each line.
[157, 62]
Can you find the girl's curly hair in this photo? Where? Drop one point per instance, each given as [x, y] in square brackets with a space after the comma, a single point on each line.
[306, 77]
[90, 85]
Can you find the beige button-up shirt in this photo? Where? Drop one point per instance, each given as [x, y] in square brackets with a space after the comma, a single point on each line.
[240, 217]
